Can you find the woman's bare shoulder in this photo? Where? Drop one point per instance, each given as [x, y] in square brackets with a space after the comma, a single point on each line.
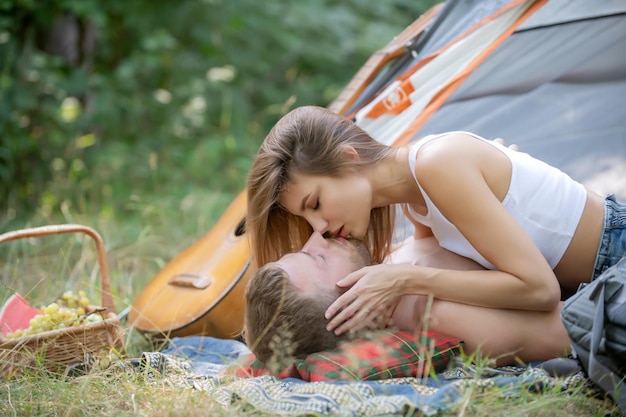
[450, 145]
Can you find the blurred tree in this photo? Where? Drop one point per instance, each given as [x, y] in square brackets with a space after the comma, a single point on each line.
[145, 92]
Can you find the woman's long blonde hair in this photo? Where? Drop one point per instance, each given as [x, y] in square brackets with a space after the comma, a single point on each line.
[310, 140]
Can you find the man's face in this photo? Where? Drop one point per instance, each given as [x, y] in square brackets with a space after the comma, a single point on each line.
[323, 262]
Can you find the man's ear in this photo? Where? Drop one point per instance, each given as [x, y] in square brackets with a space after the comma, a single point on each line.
[350, 153]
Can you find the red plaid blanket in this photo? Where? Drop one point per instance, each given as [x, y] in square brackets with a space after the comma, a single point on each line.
[382, 355]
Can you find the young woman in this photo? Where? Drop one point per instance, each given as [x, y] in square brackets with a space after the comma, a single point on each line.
[533, 227]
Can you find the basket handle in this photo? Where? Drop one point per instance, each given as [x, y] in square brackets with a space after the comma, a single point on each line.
[107, 298]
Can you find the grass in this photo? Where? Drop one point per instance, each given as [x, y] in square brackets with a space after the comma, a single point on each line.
[137, 246]
[102, 394]
[99, 395]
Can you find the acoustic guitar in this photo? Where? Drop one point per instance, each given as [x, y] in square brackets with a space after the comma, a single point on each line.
[201, 290]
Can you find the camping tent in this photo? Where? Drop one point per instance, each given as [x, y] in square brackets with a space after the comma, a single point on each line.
[556, 86]
[549, 76]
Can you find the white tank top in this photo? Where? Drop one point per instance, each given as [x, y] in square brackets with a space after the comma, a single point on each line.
[545, 201]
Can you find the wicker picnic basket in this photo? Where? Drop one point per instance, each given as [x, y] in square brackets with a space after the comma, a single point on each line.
[56, 349]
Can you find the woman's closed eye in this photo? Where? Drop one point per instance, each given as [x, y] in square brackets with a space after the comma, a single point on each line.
[312, 202]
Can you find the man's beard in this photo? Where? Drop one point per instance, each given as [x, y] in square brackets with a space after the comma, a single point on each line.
[362, 255]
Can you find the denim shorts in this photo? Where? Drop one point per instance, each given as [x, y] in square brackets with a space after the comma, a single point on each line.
[613, 244]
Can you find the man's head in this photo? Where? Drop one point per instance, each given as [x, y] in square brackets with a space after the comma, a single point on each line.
[286, 300]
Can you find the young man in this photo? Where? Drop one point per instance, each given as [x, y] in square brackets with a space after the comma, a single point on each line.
[288, 298]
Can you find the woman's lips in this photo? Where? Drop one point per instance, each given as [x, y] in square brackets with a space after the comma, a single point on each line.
[341, 232]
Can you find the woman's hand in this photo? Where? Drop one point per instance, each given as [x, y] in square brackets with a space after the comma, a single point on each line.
[373, 294]
[513, 146]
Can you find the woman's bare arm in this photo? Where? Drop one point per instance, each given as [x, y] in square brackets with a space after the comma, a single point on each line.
[468, 190]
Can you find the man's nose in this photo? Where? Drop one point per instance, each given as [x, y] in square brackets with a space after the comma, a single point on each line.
[316, 241]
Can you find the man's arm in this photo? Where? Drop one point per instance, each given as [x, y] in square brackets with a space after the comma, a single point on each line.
[508, 336]
[505, 335]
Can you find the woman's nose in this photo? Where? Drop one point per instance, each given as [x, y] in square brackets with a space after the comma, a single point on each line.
[318, 224]
[316, 241]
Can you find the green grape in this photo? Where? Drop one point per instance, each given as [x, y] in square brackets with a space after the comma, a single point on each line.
[68, 311]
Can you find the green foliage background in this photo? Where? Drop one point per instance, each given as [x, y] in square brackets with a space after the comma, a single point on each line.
[141, 118]
[177, 92]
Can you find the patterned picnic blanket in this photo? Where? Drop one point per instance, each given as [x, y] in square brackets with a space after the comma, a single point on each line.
[199, 363]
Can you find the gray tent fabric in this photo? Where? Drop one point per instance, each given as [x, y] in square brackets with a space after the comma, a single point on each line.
[556, 87]
[456, 17]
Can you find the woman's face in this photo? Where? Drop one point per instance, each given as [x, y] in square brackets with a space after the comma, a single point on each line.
[339, 206]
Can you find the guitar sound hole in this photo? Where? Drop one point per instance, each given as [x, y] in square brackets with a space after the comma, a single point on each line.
[241, 227]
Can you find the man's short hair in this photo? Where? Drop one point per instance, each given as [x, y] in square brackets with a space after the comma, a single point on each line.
[281, 321]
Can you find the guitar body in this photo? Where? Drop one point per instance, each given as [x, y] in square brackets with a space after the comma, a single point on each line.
[201, 290]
